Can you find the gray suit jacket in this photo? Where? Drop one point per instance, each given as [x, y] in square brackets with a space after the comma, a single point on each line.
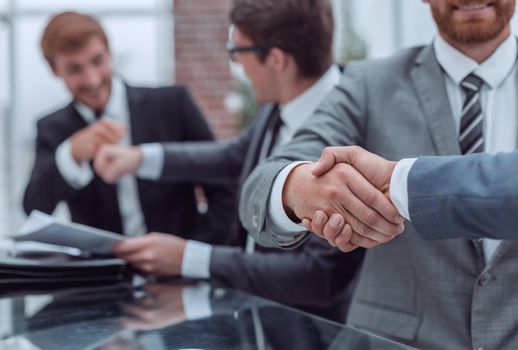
[472, 197]
[429, 294]
[308, 272]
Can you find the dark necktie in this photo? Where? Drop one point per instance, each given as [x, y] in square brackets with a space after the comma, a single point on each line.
[276, 128]
[471, 136]
[98, 114]
[271, 134]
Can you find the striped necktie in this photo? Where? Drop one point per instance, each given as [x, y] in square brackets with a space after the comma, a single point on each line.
[471, 136]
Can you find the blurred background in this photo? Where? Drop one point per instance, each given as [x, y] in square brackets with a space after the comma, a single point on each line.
[156, 42]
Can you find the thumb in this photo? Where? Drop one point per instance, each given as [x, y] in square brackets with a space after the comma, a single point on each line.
[325, 163]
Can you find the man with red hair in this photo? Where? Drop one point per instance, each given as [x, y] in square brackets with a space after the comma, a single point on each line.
[105, 110]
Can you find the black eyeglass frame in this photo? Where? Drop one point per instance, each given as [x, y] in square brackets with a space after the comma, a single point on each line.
[232, 50]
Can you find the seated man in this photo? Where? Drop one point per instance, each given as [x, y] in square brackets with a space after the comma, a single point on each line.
[291, 74]
[105, 110]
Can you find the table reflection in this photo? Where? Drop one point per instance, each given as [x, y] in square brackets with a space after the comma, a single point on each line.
[172, 316]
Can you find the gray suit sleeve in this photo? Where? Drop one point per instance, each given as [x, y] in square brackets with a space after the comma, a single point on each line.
[338, 121]
[308, 273]
[465, 196]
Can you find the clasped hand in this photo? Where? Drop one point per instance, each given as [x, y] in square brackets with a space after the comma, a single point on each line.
[345, 198]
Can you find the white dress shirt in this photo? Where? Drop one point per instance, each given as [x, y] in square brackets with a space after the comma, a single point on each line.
[79, 176]
[196, 258]
[499, 108]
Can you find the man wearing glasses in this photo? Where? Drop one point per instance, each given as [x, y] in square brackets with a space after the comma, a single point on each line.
[285, 49]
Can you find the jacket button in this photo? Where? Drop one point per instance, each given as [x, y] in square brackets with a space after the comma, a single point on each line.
[255, 221]
[485, 279]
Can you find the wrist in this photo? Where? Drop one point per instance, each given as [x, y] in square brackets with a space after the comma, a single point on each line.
[292, 190]
[138, 157]
[76, 155]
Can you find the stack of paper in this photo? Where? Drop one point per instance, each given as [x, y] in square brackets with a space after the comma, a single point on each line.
[44, 228]
[47, 253]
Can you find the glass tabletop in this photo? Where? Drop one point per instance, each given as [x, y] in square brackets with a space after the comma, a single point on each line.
[167, 316]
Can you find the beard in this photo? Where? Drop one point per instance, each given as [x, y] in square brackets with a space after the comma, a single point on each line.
[477, 30]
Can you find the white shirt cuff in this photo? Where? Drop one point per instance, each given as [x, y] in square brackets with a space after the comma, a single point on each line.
[152, 161]
[196, 260]
[196, 302]
[77, 176]
[278, 216]
[399, 186]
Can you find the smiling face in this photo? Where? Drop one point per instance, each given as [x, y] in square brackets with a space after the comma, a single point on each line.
[472, 21]
[87, 73]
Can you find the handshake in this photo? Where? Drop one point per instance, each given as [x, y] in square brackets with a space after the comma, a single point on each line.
[344, 198]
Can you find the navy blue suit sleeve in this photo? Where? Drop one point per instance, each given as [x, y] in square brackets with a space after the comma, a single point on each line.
[472, 196]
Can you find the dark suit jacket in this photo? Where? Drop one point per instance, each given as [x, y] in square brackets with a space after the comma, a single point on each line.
[313, 277]
[156, 115]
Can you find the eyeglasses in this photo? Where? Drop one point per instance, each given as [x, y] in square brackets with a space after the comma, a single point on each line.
[232, 50]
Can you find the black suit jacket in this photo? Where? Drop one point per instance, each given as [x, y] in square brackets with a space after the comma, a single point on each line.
[313, 277]
[156, 115]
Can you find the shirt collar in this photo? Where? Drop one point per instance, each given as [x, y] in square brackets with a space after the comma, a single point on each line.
[295, 112]
[493, 71]
[116, 108]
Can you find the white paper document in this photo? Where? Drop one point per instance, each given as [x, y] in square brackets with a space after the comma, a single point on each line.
[41, 227]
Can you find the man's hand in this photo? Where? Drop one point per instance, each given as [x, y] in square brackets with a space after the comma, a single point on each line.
[156, 253]
[113, 162]
[85, 143]
[375, 169]
[343, 190]
[162, 306]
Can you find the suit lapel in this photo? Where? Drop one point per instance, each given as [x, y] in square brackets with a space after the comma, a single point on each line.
[76, 120]
[256, 143]
[428, 82]
[137, 115]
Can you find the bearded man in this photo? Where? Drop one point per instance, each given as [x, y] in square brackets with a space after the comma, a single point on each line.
[455, 96]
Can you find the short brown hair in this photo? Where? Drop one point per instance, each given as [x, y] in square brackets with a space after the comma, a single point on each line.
[68, 32]
[301, 28]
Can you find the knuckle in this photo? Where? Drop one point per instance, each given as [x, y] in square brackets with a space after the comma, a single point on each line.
[370, 197]
[356, 240]
[360, 228]
[371, 218]
[328, 235]
[149, 256]
[327, 152]
[354, 148]
[329, 193]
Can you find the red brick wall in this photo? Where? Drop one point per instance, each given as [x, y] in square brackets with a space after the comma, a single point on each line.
[200, 34]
